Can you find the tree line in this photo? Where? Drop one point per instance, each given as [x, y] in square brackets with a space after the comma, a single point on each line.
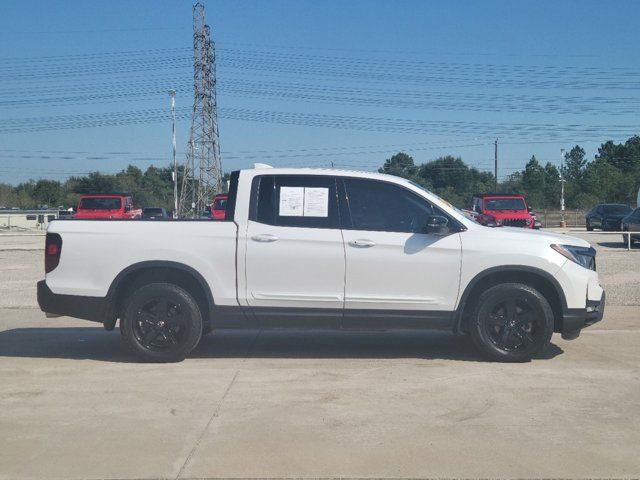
[153, 187]
[613, 175]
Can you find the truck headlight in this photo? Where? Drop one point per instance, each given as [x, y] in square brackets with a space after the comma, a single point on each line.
[583, 256]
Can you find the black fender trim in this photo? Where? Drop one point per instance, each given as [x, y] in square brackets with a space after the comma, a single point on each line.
[505, 269]
[136, 267]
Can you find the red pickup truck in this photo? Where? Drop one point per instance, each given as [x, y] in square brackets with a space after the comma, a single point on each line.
[500, 209]
[107, 206]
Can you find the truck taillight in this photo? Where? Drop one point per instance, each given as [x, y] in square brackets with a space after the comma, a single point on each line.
[52, 251]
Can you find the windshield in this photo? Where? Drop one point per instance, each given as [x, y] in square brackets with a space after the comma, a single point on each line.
[153, 211]
[616, 209]
[220, 204]
[504, 204]
[461, 212]
[97, 203]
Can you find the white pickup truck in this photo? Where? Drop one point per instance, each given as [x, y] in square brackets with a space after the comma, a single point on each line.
[313, 248]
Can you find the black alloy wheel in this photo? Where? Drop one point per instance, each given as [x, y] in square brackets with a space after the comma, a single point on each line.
[512, 322]
[161, 323]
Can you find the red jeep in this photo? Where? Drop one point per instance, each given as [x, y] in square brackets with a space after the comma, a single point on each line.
[498, 209]
[219, 206]
[109, 206]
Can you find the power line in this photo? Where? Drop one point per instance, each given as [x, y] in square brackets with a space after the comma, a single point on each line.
[522, 131]
[469, 74]
[112, 93]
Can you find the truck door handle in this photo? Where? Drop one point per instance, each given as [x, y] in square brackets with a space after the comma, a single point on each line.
[264, 237]
[362, 243]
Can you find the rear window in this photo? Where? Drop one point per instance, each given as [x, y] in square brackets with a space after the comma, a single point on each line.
[98, 203]
[504, 204]
[616, 209]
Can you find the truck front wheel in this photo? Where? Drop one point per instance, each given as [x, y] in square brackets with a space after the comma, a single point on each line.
[161, 322]
[511, 322]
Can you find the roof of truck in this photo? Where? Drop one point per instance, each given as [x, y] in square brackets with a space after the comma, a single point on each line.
[320, 171]
[111, 194]
[484, 195]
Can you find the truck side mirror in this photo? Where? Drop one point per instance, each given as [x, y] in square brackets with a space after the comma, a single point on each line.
[127, 208]
[437, 225]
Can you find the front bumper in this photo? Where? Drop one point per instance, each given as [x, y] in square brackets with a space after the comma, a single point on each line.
[574, 320]
[87, 308]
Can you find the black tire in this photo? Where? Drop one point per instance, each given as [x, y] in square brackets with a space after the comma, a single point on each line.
[589, 227]
[161, 322]
[511, 322]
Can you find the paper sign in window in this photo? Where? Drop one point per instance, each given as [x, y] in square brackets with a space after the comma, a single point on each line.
[291, 202]
[316, 202]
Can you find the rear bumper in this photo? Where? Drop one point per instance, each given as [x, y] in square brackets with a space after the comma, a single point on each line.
[574, 320]
[612, 225]
[87, 308]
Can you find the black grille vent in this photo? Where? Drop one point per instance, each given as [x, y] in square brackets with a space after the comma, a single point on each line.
[514, 222]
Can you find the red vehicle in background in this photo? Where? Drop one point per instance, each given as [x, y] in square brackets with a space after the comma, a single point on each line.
[219, 206]
[501, 209]
[107, 206]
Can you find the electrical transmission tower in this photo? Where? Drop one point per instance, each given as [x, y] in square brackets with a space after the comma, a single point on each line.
[202, 169]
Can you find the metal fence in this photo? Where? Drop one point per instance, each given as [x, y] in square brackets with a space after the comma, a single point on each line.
[552, 218]
[625, 236]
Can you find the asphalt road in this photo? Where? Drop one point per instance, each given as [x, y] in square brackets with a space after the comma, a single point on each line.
[74, 404]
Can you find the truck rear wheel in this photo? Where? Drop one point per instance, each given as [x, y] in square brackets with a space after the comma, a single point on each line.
[511, 322]
[161, 322]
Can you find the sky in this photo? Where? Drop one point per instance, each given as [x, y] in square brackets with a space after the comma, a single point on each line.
[309, 83]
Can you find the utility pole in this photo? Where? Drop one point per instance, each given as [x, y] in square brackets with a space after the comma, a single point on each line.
[202, 169]
[495, 159]
[563, 224]
[172, 94]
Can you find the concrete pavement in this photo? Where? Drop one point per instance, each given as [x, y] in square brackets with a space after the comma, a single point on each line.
[75, 405]
[312, 404]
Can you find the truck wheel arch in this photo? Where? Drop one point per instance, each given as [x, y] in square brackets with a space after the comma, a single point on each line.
[177, 273]
[535, 277]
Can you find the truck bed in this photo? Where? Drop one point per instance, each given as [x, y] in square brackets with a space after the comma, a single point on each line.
[115, 245]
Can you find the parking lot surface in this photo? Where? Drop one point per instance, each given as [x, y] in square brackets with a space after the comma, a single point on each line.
[74, 404]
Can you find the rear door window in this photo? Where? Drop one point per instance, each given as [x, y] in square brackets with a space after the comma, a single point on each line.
[307, 201]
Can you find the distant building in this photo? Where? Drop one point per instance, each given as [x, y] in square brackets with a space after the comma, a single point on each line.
[21, 220]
